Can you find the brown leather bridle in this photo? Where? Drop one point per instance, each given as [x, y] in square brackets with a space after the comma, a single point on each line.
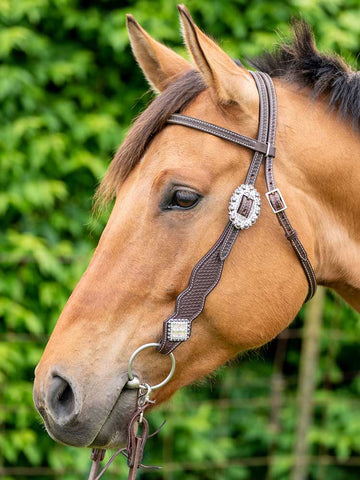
[243, 212]
[244, 209]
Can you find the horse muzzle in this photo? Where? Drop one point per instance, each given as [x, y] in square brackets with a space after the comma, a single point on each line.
[79, 417]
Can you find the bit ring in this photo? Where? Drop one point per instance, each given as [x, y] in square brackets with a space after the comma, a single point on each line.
[140, 349]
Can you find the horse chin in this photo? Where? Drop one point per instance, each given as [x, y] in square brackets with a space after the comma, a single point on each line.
[113, 433]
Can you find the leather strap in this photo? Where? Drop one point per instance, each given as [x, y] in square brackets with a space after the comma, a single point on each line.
[134, 450]
[207, 272]
[221, 132]
[276, 200]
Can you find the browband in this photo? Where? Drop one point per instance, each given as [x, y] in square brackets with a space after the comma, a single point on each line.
[244, 209]
[224, 133]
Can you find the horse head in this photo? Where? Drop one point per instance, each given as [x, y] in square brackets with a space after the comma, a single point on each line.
[172, 187]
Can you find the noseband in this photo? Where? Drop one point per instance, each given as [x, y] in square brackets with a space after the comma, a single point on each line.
[244, 209]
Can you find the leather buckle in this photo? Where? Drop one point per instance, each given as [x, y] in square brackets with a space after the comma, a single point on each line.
[270, 150]
[275, 207]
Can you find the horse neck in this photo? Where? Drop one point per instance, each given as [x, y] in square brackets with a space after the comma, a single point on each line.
[321, 161]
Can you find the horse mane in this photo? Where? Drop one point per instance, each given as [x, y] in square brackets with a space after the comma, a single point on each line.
[298, 62]
[327, 76]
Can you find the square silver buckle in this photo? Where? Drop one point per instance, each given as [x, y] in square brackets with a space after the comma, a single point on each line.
[276, 190]
[178, 329]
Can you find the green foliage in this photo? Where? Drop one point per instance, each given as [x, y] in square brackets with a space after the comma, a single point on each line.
[68, 90]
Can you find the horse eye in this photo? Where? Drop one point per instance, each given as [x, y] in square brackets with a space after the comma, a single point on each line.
[184, 199]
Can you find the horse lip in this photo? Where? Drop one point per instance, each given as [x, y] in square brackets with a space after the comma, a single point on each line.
[80, 434]
[109, 436]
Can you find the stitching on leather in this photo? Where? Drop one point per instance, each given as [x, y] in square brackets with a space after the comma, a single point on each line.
[220, 132]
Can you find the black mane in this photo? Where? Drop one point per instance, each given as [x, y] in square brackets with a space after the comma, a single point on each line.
[326, 75]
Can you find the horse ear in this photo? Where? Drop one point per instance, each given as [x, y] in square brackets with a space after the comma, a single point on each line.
[231, 82]
[160, 65]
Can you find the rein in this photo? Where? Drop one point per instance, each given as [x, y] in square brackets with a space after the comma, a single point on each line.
[244, 210]
[136, 441]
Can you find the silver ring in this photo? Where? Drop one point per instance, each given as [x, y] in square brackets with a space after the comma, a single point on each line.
[140, 349]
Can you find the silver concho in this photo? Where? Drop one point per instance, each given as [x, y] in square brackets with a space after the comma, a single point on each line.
[236, 218]
[179, 329]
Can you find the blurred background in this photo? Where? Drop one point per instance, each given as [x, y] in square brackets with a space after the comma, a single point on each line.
[69, 88]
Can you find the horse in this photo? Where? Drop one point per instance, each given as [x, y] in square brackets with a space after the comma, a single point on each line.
[172, 186]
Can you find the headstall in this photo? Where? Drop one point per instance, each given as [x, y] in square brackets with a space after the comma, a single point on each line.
[244, 210]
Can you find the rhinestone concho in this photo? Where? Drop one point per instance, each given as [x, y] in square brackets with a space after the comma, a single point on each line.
[178, 329]
[240, 221]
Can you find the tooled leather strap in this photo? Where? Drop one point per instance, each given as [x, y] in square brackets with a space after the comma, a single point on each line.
[207, 272]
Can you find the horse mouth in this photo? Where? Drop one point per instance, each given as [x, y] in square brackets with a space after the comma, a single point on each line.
[101, 424]
[113, 432]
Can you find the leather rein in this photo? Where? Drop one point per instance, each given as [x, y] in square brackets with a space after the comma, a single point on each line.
[244, 209]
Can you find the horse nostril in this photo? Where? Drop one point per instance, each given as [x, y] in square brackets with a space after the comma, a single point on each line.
[61, 400]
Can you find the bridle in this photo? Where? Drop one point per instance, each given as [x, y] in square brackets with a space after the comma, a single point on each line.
[244, 210]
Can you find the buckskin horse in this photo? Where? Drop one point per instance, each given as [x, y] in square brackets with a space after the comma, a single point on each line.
[172, 179]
